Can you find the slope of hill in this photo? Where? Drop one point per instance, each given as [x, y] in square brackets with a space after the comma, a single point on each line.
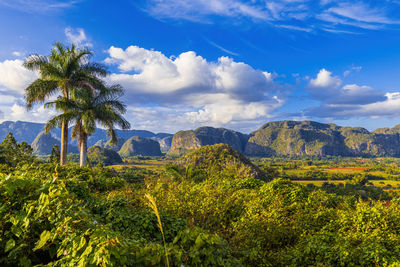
[43, 144]
[299, 138]
[136, 146]
[104, 156]
[28, 131]
[220, 161]
[184, 141]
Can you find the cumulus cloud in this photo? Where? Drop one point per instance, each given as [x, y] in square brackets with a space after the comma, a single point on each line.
[327, 88]
[325, 80]
[18, 111]
[14, 78]
[77, 37]
[217, 93]
[349, 100]
[389, 107]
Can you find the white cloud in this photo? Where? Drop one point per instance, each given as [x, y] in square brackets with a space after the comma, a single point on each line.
[389, 107]
[77, 37]
[38, 6]
[325, 80]
[349, 100]
[218, 93]
[16, 53]
[331, 16]
[327, 88]
[351, 70]
[359, 11]
[199, 10]
[14, 78]
[18, 112]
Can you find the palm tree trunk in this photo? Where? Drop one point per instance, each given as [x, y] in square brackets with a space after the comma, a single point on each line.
[83, 148]
[64, 143]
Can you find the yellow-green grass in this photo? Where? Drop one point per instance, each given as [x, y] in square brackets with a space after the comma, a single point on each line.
[150, 164]
[378, 183]
[383, 183]
[317, 182]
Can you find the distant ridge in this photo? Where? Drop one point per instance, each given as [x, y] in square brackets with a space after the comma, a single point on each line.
[28, 131]
[276, 138]
[296, 138]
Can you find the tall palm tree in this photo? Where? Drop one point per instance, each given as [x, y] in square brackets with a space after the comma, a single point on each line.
[63, 70]
[86, 108]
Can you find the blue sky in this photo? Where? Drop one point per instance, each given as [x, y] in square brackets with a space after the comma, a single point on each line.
[224, 63]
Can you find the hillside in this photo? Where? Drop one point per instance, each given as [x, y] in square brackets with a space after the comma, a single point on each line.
[28, 131]
[103, 143]
[103, 156]
[295, 138]
[278, 138]
[184, 141]
[220, 160]
[300, 138]
[43, 144]
[136, 146]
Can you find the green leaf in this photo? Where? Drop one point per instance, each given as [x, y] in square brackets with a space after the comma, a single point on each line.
[43, 240]
[9, 245]
[82, 243]
[199, 242]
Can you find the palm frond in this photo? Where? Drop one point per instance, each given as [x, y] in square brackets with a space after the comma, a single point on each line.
[38, 91]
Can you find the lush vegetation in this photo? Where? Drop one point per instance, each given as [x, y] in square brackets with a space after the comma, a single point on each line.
[214, 207]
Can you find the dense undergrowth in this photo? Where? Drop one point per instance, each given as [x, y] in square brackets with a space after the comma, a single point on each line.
[96, 216]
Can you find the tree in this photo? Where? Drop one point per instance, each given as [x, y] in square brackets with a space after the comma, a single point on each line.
[14, 153]
[88, 107]
[63, 70]
[55, 154]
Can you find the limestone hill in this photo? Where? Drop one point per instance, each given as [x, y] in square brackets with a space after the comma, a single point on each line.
[220, 160]
[43, 144]
[136, 146]
[184, 141]
[103, 156]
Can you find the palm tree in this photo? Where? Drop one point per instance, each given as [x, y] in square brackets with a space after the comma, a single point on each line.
[86, 108]
[63, 70]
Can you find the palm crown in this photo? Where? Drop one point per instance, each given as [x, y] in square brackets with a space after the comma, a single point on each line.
[85, 109]
[63, 70]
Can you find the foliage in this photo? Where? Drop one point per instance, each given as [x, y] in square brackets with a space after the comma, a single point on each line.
[55, 154]
[220, 160]
[12, 153]
[68, 215]
[104, 156]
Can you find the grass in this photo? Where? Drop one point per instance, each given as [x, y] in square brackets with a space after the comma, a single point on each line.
[395, 185]
[152, 204]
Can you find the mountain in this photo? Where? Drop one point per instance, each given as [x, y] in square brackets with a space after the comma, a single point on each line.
[165, 143]
[295, 138]
[28, 131]
[43, 144]
[278, 138]
[184, 141]
[103, 143]
[22, 131]
[136, 146]
[299, 138]
[221, 161]
[104, 156]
